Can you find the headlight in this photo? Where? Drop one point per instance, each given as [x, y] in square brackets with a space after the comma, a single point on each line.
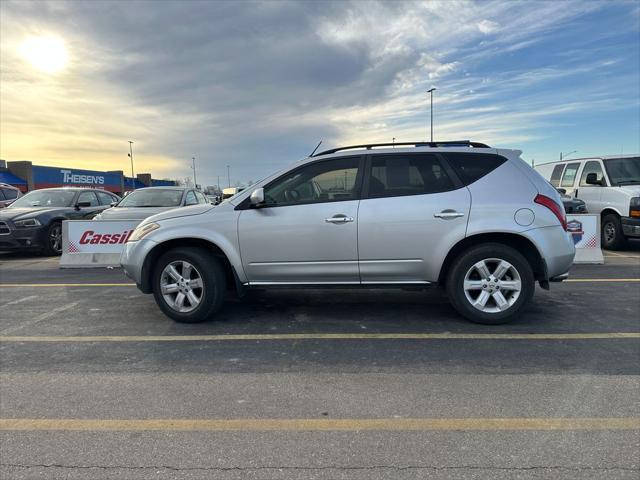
[29, 222]
[634, 207]
[140, 232]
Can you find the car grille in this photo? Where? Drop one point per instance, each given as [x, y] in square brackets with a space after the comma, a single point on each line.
[4, 229]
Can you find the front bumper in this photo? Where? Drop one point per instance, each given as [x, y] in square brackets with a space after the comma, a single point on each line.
[630, 226]
[22, 239]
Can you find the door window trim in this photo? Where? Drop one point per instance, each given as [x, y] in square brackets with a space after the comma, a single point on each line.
[584, 168]
[457, 183]
[357, 187]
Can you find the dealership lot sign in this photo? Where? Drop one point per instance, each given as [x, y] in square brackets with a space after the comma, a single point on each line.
[585, 231]
[46, 177]
[89, 243]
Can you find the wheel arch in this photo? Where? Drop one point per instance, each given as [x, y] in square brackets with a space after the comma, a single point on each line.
[609, 211]
[519, 242]
[233, 282]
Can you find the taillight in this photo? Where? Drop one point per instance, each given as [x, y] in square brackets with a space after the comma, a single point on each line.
[557, 210]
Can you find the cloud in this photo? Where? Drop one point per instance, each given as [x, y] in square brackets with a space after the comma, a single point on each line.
[257, 85]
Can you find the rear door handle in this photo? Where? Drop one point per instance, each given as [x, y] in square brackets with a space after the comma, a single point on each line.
[339, 219]
[448, 214]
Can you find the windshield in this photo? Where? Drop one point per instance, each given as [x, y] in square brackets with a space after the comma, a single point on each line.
[152, 198]
[623, 171]
[44, 199]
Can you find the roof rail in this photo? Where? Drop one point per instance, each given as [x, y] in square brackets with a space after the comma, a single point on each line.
[369, 146]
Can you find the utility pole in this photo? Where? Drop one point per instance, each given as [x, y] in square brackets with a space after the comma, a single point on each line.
[229, 176]
[218, 183]
[431, 90]
[133, 179]
[195, 182]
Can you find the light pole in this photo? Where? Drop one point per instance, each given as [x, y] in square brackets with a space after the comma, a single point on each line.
[229, 176]
[195, 181]
[565, 155]
[430, 91]
[130, 154]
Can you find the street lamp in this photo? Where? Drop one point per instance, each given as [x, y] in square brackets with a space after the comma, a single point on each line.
[130, 154]
[195, 181]
[430, 91]
[565, 155]
[228, 176]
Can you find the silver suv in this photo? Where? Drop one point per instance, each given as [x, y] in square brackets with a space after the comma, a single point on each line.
[474, 219]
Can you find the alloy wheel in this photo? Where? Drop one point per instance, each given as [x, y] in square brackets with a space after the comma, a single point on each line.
[55, 238]
[492, 285]
[181, 286]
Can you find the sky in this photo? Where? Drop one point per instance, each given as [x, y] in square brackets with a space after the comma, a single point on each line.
[257, 85]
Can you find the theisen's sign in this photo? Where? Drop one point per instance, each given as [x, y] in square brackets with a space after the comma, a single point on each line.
[94, 243]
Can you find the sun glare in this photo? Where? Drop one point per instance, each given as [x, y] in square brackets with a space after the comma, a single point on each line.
[46, 54]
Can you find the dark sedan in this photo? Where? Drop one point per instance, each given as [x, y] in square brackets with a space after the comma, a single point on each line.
[34, 221]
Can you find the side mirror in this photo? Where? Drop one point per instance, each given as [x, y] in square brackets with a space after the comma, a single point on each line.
[257, 197]
[592, 179]
[113, 204]
[83, 204]
[562, 191]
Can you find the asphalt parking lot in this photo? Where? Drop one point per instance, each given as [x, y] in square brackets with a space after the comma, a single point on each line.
[96, 383]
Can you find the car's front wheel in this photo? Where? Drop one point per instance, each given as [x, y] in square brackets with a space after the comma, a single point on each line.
[189, 284]
[490, 283]
[53, 240]
[612, 235]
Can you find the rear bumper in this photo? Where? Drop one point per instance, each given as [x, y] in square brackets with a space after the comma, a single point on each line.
[630, 226]
[556, 248]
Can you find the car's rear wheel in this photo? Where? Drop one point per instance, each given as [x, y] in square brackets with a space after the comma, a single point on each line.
[189, 284]
[612, 236]
[490, 283]
[53, 240]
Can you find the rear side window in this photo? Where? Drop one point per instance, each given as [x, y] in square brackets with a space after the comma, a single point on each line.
[569, 177]
[9, 193]
[105, 198]
[471, 167]
[405, 174]
[556, 175]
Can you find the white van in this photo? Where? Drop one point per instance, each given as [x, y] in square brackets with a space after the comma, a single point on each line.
[609, 186]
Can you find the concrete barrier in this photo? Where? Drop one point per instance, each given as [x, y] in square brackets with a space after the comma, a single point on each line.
[585, 229]
[90, 243]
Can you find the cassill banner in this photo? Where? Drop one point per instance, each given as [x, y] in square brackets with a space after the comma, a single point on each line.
[90, 243]
[585, 231]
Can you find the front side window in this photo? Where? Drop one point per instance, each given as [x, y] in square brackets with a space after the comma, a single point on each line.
[397, 175]
[569, 177]
[556, 175]
[591, 167]
[326, 181]
[10, 193]
[201, 198]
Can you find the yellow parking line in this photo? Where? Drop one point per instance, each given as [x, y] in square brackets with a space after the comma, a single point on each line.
[595, 280]
[324, 336]
[315, 424]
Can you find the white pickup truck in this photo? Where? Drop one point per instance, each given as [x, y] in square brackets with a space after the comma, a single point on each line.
[609, 186]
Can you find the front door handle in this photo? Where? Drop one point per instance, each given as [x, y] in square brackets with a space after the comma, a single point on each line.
[448, 214]
[339, 219]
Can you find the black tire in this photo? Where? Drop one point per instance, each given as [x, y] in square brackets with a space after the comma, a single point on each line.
[213, 289]
[53, 240]
[465, 262]
[612, 236]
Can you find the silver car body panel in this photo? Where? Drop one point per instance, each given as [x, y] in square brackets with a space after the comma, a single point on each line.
[391, 240]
